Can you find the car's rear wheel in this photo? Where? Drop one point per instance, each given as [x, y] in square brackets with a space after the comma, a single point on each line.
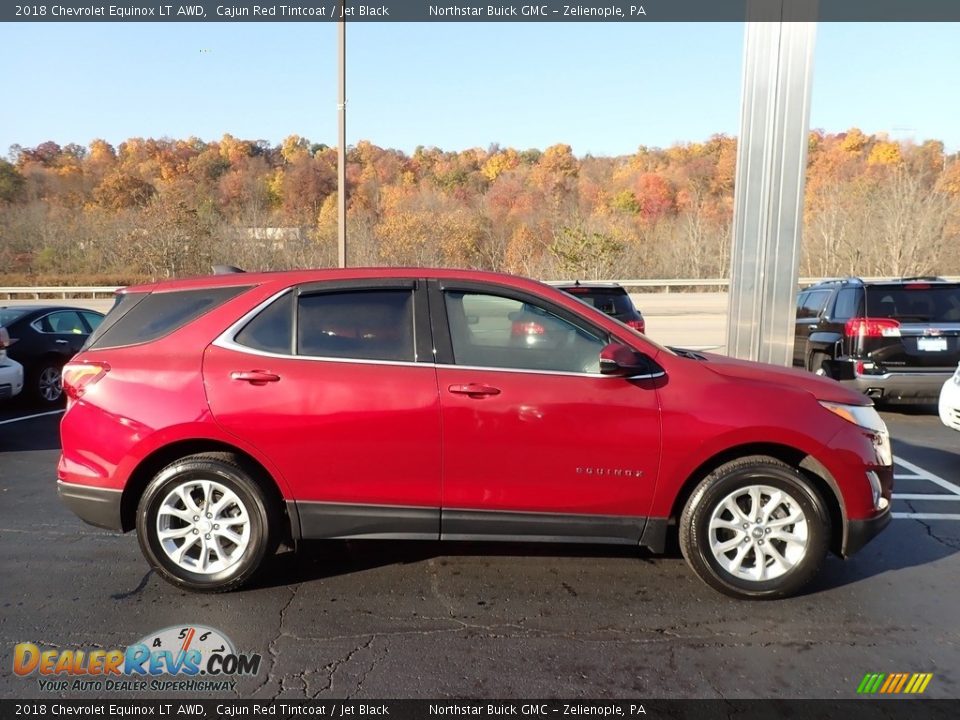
[755, 528]
[205, 524]
[47, 386]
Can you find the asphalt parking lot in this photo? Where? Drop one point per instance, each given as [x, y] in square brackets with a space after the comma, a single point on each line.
[381, 619]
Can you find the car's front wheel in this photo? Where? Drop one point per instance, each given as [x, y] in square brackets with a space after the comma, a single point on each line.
[205, 524]
[755, 528]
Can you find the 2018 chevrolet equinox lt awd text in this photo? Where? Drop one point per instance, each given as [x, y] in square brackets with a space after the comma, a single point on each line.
[221, 416]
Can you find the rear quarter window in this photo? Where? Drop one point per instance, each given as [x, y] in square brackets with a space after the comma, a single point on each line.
[142, 318]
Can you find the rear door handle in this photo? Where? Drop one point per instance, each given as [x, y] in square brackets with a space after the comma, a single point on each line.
[254, 377]
[474, 390]
[62, 342]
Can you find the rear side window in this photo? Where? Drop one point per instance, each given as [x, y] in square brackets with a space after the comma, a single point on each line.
[921, 303]
[151, 316]
[357, 324]
[272, 329]
[847, 305]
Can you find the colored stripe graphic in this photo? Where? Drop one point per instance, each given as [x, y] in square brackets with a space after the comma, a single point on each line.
[894, 683]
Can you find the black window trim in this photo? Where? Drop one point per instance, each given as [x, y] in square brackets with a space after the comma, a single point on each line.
[431, 329]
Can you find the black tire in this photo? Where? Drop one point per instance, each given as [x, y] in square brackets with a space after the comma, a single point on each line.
[45, 386]
[817, 364]
[697, 541]
[261, 531]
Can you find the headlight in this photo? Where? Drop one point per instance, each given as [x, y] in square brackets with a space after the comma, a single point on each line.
[867, 417]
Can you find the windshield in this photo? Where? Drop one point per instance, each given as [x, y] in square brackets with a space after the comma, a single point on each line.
[609, 301]
[10, 314]
[920, 302]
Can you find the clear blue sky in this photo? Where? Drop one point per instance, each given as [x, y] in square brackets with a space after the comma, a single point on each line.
[605, 89]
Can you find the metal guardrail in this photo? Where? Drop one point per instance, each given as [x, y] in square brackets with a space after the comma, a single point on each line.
[54, 291]
[722, 283]
[665, 283]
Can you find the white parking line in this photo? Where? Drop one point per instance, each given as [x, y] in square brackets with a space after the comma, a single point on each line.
[30, 417]
[918, 473]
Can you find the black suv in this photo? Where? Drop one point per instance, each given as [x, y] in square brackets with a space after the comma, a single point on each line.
[894, 340]
[609, 298]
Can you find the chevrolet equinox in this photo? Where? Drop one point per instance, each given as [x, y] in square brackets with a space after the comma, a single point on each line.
[221, 416]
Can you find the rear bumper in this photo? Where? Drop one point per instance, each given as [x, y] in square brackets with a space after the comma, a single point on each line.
[860, 532]
[94, 505]
[901, 386]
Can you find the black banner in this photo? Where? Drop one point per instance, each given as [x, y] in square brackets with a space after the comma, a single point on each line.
[887, 709]
[474, 11]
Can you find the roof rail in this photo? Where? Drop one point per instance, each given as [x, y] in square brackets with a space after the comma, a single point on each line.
[226, 269]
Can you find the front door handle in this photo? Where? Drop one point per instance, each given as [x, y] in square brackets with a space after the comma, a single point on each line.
[254, 377]
[474, 390]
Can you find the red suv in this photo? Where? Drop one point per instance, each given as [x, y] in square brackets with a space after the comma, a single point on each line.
[221, 416]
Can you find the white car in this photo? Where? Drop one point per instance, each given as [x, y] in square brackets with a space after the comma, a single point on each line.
[950, 401]
[11, 372]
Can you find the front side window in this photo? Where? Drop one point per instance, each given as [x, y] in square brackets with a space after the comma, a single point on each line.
[357, 324]
[500, 332]
[813, 303]
[93, 319]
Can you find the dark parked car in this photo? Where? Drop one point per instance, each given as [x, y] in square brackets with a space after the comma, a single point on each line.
[42, 339]
[220, 416]
[609, 298]
[895, 341]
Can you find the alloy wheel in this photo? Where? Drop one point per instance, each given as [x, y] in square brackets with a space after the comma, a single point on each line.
[49, 384]
[203, 526]
[758, 533]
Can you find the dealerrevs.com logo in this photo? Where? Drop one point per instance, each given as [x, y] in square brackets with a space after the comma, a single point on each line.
[191, 658]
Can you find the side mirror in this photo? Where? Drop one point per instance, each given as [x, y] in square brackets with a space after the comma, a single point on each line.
[617, 359]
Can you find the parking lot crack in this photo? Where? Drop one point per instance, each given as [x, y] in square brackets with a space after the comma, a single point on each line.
[273, 650]
[334, 667]
[930, 532]
[376, 661]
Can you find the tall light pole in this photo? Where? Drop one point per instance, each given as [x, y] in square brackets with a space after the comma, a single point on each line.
[342, 143]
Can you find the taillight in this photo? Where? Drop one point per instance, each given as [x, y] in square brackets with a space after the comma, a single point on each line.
[4, 339]
[872, 327]
[638, 325]
[524, 329]
[78, 377]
